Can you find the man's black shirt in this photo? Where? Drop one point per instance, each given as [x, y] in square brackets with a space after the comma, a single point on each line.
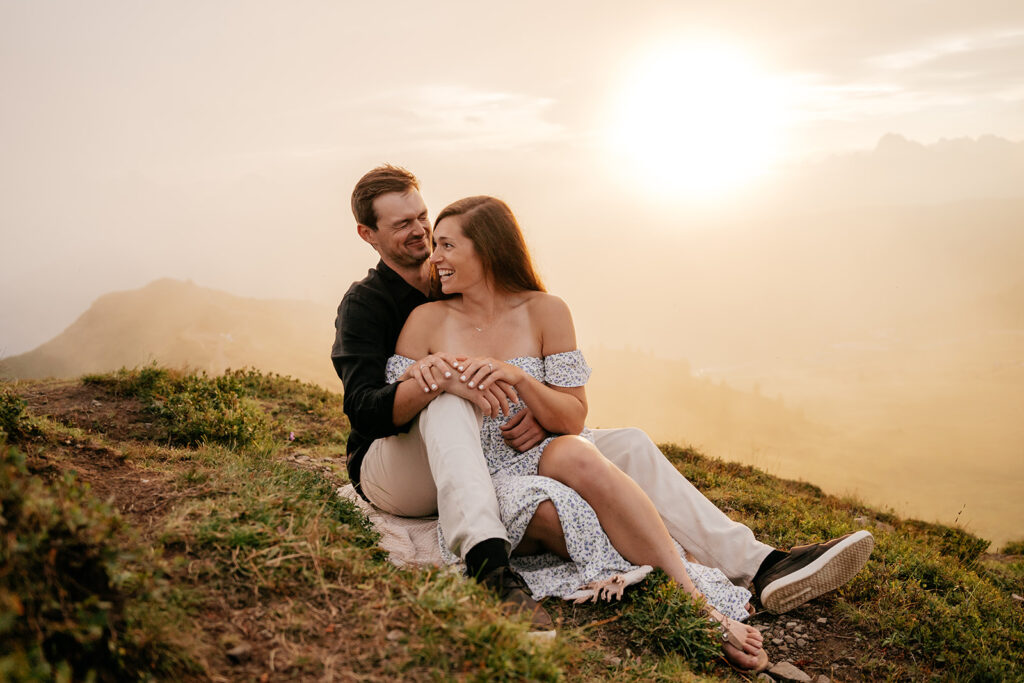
[370, 318]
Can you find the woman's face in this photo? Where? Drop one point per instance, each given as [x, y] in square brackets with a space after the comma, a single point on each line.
[455, 259]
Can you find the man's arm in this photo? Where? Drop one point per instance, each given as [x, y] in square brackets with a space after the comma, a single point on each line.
[363, 344]
[410, 399]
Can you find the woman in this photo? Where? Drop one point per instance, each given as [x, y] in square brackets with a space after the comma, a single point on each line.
[498, 318]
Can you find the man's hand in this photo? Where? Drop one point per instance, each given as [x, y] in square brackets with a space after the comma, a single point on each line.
[523, 432]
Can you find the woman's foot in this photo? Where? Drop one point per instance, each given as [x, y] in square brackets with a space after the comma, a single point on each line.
[741, 644]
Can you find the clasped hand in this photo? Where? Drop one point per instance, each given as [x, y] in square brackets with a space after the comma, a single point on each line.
[460, 375]
[487, 383]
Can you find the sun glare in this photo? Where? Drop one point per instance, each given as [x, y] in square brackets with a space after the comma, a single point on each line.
[697, 119]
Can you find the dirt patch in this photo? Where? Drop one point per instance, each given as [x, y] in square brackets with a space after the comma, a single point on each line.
[143, 495]
[90, 408]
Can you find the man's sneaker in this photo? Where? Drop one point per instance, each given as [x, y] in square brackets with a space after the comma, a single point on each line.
[811, 570]
[516, 596]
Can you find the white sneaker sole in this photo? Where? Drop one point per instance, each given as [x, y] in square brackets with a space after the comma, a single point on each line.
[830, 571]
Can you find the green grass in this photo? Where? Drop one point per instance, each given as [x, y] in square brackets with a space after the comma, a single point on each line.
[926, 596]
[1014, 548]
[194, 409]
[74, 604]
[15, 424]
[245, 548]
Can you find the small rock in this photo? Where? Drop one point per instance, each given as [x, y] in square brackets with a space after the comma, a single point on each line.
[613, 661]
[822, 620]
[800, 628]
[787, 672]
[1017, 598]
[790, 624]
[777, 641]
[96, 403]
[395, 635]
[861, 520]
[762, 627]
[789, 639]
[240, 653]
[822, 678]
[800, 642]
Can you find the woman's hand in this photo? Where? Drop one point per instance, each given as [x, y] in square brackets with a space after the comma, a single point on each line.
[430, 371]
[480, 373]
[495, 400]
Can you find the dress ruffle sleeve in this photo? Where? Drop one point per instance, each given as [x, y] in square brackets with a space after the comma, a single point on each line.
[568, 369]
[396, 367]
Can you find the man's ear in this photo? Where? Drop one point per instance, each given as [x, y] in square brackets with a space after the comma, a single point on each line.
[368, 234]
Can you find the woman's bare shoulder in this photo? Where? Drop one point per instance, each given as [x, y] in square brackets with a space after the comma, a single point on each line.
[430, 310]
[553, 318]
[548, 306]
[417, 334]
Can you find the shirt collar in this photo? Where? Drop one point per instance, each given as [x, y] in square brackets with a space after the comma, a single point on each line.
[396, 282]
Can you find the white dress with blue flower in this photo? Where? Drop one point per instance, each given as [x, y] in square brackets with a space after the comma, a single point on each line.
[520, 490]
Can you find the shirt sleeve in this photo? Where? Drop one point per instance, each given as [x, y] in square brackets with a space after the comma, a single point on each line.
[360, 354]
[568, 369]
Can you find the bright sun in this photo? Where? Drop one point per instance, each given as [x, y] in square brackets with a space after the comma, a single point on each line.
[697, 119]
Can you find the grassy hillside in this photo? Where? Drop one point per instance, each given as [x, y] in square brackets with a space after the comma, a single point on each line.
[176, 526]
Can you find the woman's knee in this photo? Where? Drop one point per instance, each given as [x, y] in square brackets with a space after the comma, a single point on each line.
[575, 462]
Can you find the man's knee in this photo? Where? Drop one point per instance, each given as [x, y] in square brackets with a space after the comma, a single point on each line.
[450, 408]
[638, 440]
[627, 446]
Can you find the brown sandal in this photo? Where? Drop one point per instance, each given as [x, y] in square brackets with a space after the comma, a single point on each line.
[728, 637]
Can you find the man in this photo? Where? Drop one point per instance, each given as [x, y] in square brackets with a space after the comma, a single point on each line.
[415, 450]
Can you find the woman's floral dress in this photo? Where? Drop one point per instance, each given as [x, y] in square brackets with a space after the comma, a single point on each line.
[520, 490]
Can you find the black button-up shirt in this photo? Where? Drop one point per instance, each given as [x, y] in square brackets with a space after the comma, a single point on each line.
[370, 317]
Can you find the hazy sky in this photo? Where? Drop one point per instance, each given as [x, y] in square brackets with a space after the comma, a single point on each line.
[219, 141]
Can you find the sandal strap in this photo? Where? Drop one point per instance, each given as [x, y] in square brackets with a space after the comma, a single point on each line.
[722, 625]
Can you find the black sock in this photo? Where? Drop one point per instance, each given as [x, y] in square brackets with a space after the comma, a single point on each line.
[485, 557]
[770, 561]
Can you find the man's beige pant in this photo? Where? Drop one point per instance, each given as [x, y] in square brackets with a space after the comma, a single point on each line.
[439, 467]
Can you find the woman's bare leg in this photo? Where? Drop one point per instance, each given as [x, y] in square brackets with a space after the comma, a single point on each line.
[543, 533]
[632, 523]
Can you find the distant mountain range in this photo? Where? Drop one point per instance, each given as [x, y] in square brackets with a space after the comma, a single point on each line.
[180, 324]
[899, 171]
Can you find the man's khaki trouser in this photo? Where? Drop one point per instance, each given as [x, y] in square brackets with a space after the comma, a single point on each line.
[439, 467]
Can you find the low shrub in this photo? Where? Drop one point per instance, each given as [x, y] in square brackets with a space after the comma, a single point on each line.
[1013, 548]
[661, 617]
[194, 408]
[63, 584]
[14, 422]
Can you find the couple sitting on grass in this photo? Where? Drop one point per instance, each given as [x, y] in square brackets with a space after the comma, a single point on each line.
[465, 390]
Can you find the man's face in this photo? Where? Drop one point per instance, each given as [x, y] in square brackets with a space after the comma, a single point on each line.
[402, 236]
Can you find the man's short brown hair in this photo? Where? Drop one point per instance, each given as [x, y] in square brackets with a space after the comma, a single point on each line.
[381, 180]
